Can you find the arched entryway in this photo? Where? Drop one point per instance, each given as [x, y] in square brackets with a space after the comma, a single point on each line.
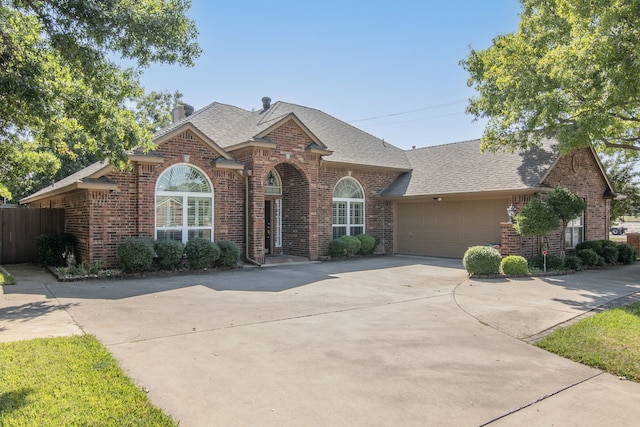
[286, 212]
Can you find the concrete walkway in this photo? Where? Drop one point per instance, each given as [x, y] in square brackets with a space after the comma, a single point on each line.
[377, 341]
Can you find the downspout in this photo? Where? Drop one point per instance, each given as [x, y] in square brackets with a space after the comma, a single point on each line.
[246, 220]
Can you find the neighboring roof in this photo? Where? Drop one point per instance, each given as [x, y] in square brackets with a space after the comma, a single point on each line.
[460, 168]
[228, 126]
[82, 179]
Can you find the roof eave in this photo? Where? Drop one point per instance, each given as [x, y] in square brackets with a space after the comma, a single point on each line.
[79, 185]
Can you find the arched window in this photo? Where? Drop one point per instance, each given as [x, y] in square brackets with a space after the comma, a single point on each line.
[348, 208]
[273, 183]
[184, 204]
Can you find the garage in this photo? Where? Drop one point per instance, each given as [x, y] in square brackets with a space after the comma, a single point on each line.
[447, 228]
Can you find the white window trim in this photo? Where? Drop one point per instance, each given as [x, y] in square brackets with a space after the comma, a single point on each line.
[278, 231]
[349, 200]
[569, 227]
[185, 195]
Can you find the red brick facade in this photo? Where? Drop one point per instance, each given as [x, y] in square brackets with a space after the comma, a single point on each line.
[101, 219]
[580, 172]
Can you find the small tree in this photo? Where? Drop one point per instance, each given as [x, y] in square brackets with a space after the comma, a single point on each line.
[567, 205]
[536, 218]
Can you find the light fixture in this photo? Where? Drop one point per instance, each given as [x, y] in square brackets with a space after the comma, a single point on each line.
[436, 199]
[511, 211]
[271, 179]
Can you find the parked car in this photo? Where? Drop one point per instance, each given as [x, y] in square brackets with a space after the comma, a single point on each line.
[617, 230]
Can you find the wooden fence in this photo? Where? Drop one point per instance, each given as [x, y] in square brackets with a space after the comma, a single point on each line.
[19, 228]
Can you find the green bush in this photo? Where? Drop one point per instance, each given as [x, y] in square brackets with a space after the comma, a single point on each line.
[229, 253]
[482, 260]
[337, 248]
[627, 254]
[554, 263]
[572, 262]
[608, 244]
[169, 253]
[610, 254]
[589, 257]
[52, 248]
[353, 244]
[367, 243]
[594, 245]
[514, 265]
[600, 262]
[135, 255]
[201, 253]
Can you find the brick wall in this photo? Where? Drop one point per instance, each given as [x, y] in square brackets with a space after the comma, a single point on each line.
[379, 215]
[580, 173]
[102, 219]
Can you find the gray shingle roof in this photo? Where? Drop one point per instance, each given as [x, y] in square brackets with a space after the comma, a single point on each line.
[462, 168]
[78, 177]
[227, 126]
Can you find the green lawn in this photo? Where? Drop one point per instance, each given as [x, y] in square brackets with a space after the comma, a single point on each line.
[69, 381]
[609, 341]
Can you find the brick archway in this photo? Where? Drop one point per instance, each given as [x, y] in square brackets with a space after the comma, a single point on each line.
[296, 206]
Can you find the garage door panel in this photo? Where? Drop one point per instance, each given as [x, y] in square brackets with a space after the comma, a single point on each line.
[448, 228]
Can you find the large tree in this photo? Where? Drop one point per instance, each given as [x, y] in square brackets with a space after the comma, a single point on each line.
[625, 178]
[570, 72]
[61, 90]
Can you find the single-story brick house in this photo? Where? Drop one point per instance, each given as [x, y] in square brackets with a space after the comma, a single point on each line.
[287, 179]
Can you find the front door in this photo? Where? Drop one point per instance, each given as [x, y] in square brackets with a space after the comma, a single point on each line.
[267, 227]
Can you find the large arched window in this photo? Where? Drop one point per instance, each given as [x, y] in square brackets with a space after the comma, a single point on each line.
[184, 204]
[348, 208]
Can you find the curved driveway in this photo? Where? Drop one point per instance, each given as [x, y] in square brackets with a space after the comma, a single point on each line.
[375, 341]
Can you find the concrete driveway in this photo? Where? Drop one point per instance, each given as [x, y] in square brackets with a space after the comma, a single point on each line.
[377, 341]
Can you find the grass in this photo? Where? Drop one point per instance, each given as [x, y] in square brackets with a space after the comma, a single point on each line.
[609, 341]
[6, 279]
[69, 381]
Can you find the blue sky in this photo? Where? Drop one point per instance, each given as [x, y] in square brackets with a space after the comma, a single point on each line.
[352, 59]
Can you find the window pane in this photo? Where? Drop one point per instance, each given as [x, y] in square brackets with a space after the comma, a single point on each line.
[168, 211]
[339, 213]
[339, 232]
[348, 188]
[183, 178]
[199, 212]
[356, 214]
[169, 235]
[204, 233]
[356, 230]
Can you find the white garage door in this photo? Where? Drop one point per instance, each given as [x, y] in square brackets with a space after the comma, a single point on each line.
[448, 228]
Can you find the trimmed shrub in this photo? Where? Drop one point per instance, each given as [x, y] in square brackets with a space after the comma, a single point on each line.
[609, 253]
[482, 260]
[52, 248]
[367, 243]
[608, 244]
[169, 253]
[572, 262]
[627, 254]
[514, 265]
[337, 248]
[594, 245]
[353, 244]
[229, 253]
[135, 255]
[589, 257]
[201, 253]
[600, 262]
[553, 262]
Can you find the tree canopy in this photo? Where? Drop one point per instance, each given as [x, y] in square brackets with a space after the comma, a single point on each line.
[61, 90]
[570, 72]
[626, 180]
